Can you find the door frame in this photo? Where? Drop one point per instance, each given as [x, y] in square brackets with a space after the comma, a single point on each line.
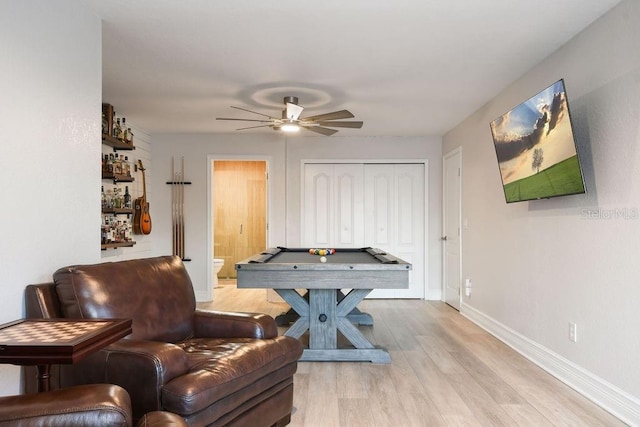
[210, 203]
[456, 151]
[424, 162]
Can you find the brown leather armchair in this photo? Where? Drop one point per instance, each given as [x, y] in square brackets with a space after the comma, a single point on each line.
[96, 405]
[211, 368]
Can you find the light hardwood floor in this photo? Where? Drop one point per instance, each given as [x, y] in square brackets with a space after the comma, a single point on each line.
[445, 371]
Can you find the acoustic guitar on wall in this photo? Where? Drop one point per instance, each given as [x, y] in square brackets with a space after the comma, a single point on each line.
[142, 218]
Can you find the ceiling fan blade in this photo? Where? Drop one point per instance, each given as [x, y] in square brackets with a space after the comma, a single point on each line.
[293, 111]
[342, 114]
[254, 112]
[355, 125]
[253, 127]
[323, 131]
[244, 120]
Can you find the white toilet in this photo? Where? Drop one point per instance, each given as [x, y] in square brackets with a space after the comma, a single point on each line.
[218, 263]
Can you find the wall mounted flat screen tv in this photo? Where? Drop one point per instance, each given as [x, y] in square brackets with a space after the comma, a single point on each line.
[536, 149]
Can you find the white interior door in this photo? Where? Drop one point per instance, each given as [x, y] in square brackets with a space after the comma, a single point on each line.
[379, 205]
[394, 220]
[451, 237]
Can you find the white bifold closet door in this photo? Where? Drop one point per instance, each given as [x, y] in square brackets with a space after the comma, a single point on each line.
[381, 205]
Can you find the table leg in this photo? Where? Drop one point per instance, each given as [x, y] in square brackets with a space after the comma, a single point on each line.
[43, 378]
[324, 315]
[345, 326]
[355, 316]
[301, 306]
[323, 331]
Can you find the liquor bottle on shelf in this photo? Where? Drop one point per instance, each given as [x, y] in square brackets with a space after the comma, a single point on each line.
[109, 163]
[109, 199]
[127, 197]
[112, 231]
[127, 231]
[129, 137]
[117, 198]
[126, 166]
[105, 231]
[124, 130]
[114, 128]
[121, 129]
[117, 166]
[104, 198]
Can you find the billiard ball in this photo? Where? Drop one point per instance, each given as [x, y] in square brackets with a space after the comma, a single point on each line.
[323, 259]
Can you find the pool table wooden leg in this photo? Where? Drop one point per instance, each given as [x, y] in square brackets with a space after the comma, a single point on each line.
[301, 306]
[323, 330]
[324, 315]
[355, 316]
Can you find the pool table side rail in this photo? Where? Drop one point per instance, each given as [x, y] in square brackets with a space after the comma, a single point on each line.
[319, 279]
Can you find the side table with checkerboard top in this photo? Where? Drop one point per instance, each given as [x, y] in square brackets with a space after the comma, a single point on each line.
[42, 342]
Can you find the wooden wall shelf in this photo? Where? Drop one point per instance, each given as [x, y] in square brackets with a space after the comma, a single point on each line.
[106, 246]
[117, 177]
[117, 211]
[116, 143]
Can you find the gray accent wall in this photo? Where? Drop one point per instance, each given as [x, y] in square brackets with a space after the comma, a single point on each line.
[537, 266]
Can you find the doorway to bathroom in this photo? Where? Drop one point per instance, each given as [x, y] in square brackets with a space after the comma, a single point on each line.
[239, 213]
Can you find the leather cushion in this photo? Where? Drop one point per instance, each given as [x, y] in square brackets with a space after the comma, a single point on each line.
[220, 367]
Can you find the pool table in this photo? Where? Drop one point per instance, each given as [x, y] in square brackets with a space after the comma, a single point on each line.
[324, 309]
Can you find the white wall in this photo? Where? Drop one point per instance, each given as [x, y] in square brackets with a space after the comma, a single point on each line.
[536, 266]
[284, 227]
[50, 81]
[197, 150]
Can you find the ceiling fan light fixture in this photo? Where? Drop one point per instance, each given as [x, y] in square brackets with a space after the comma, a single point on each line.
[289, 127]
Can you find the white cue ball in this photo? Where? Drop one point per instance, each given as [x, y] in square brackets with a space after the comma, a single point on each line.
[323, 259]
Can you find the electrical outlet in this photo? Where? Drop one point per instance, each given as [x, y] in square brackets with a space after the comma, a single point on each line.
[573, 332]
[467, 287]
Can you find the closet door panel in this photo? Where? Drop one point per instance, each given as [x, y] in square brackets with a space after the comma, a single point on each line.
[379, 205]
[318, 204]
[349, 232]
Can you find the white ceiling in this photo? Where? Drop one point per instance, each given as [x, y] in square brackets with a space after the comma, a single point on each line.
[404, 67]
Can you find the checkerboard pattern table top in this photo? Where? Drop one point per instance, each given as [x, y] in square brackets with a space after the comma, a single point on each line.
[48, 332]
[45, 341]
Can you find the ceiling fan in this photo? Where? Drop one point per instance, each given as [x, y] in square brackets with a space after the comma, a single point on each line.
[292, 122]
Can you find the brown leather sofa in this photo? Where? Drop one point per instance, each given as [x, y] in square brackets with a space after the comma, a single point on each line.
[211, 368]
[95, 405]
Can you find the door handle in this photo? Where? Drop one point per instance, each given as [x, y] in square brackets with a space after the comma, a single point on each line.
[240, 228]
[443, 238]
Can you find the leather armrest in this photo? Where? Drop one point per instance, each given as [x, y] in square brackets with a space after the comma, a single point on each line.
[163, 361]
[215, 324]
[141, 367]
[88, 405]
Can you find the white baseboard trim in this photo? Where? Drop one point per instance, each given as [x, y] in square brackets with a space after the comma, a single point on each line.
[203, 296]
[606, 395]
[433, 295]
